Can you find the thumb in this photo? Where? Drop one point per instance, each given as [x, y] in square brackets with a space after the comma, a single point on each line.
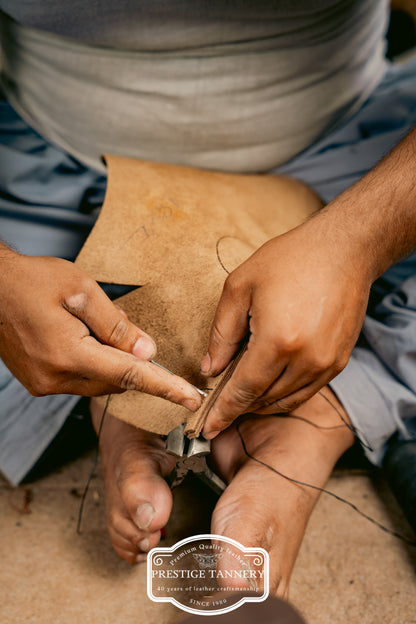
[230, 325]
[108, 323]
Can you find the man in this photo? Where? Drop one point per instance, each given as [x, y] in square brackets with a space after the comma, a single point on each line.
[294, 88]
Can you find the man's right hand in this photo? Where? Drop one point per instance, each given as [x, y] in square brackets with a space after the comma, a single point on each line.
[60, 334]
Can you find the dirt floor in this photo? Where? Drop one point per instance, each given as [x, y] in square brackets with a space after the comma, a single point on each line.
[348, 570]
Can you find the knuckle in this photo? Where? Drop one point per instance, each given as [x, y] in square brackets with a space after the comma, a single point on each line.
[218, 338]
[33, 391]
[244, 396]
[42, 386]
[325, 363]
[63, 361]
[77, 304]
[289, 343]
[340, 364]
[233, 284]
[320, 363]
[170, 395]
[119, 332]
[173, 390]
[132, 379]
[287, 404]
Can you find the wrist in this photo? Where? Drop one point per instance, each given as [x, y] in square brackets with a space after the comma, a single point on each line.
[10, 263]
[350, 250]
[379, 211]
[6, 252]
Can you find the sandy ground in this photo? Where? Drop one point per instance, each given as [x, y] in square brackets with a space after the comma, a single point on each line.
[348, 570]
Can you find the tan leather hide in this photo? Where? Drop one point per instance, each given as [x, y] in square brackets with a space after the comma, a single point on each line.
[176, 232]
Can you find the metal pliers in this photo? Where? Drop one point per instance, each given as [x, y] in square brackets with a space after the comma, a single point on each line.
[191, 456]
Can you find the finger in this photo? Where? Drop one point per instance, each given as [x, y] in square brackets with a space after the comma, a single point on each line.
[254, 374]
[230, 325]
[108, 323]
[82, 386]
[121, 310]
[126, 372]
[294, 380]
[292, 401]
[286, 384]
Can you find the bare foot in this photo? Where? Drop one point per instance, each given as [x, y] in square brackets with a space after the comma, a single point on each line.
[138, 499]
[261, 508]
[258, 508]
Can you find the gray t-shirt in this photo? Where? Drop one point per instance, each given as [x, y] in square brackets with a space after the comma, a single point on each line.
[226, 84]
[232, 85]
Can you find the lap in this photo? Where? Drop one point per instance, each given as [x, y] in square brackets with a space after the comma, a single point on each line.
[49, 202]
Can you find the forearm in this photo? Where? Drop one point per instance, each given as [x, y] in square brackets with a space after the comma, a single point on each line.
[5, 251]
[376, 217]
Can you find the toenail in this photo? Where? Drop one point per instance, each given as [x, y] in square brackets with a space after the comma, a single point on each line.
[144, 515]
[144, 544]
[141, 558]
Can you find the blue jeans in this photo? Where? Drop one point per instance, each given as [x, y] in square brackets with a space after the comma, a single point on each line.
[49, 202]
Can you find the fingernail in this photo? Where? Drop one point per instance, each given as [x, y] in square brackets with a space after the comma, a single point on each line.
[140, 558]
[144, 544]
[191, 404]
[144, 515]
[206, 364]
[144, 348]
[210, 434]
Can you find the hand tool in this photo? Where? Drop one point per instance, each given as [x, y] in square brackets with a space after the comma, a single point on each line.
[191, 456]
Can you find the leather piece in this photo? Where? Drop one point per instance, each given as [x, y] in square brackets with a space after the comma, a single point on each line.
[177, 232]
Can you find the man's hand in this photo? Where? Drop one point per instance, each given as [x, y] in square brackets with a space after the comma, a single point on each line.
[302, 296]
[59, 333]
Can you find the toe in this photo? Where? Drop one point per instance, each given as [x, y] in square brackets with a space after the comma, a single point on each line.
[136, 514]
[149, 541]
[127, 555]
[138, 499]
[147, 499]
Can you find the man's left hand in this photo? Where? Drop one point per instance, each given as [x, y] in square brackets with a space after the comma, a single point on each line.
[302, 297]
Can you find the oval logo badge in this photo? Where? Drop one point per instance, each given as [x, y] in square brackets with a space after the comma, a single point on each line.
[208, 574]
